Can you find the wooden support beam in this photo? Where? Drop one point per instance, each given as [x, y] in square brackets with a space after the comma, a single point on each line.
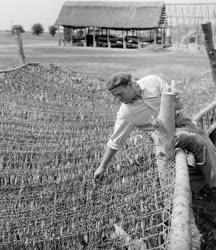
[94, 40]
[163, 36]
[85, 41]
[138, 38]
[207, 30]
[59, 36]
[123, 38]
[155, 36]
[71, 36]
[108, 39]
[21, 53]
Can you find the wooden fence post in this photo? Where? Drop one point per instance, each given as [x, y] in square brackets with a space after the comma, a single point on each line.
[21, 53]
[207, 30]
[164, 134]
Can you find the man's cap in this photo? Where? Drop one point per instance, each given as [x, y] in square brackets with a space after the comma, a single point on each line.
[118, 79]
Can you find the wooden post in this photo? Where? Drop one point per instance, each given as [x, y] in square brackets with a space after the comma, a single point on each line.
[94, 40]
[155, 36]
[171, 37]
[164, 133]
[59, 37]
[162, 36]
[71, 36]
[21, 53]
[123, 38]
[85, 41]
[108, 39]
[138, 39]
[206, 27]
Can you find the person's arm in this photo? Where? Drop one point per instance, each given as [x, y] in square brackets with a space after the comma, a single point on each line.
[122, 130]
[99, 173]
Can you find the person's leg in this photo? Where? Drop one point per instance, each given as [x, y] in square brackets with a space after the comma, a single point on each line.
[196, 144]
[197, 179]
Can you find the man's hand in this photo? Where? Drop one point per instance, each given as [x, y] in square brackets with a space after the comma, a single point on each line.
[99, 174]
[179, 102]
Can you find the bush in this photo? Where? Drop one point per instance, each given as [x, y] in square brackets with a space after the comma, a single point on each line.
[16, 28]
[52, 30]
[37, 29]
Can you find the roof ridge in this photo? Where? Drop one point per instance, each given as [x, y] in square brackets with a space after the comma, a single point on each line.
[112, 3]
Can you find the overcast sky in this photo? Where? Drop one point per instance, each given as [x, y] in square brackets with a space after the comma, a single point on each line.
[28, 12]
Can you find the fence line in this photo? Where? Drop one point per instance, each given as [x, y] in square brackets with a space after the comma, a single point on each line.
[184, 22]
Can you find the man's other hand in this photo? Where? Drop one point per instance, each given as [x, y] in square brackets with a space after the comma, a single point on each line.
[99, 174]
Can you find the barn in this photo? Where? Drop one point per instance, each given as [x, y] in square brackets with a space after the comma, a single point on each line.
[112, 24]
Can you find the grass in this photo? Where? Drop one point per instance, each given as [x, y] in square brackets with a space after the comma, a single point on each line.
[191, 70]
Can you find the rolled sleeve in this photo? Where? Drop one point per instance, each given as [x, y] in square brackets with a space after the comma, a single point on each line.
[163, 85]
[152, 86]
[122, 130]
[160, 85]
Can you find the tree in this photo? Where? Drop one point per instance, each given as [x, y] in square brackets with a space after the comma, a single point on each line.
[37, 29]
[52, 30]
[17, 27]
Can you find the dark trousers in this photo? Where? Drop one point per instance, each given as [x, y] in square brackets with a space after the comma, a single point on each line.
[204, 152]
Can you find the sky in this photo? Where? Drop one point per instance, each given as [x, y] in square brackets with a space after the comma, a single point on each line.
[29, 12]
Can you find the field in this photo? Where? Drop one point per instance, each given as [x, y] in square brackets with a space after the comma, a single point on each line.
[104, 61]
[78, 99]
[184, 66]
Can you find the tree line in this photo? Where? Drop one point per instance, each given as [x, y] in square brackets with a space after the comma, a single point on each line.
[37, 29]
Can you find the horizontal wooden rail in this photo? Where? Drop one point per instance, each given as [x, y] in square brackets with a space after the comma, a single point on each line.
[180, 235]
[203, 112]
[211, 128]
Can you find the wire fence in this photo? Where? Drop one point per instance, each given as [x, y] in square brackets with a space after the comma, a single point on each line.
[53, 130]
[185, 19]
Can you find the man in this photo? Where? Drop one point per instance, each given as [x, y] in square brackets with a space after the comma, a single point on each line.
[140, 101]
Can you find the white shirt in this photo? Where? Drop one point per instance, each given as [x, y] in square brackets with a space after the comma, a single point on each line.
[139, 113]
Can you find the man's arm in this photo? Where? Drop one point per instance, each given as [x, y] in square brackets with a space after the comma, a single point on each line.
[123, 126]
[99, 173]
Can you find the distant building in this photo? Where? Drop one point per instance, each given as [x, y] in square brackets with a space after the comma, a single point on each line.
[112, 24]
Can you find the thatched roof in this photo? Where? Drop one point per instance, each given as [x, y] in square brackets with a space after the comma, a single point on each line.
[110, 14]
